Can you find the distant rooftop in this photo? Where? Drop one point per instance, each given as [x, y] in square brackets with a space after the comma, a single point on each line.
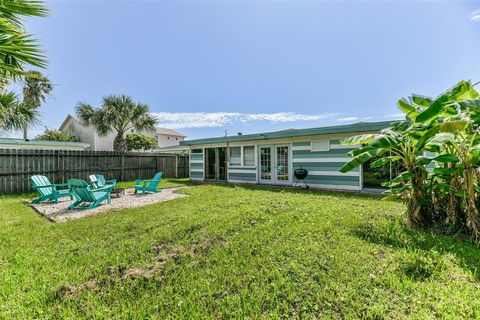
[170, 132]
[355, 127]
[42, 142]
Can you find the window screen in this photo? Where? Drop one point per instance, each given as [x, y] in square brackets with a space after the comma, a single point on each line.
[320, 145]
[235, 156]
[249, 156]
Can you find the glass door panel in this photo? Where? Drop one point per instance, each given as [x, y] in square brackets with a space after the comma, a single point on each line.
[222, 160]
[266, 173]
[210, 163]
[282, 164]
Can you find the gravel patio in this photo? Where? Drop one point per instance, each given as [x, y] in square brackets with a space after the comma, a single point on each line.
[59, 212]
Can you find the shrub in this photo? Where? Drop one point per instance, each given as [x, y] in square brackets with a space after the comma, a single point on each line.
[56, 135]
[137, 141]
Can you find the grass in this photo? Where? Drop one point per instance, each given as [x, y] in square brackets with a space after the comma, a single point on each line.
[235, 252]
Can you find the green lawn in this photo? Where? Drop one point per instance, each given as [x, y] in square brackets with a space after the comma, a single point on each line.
[234, 252]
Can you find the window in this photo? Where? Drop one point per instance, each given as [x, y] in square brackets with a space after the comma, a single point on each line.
[168, 138]
[197, 151]
[249, 156]
[320, 145]
[176, 139]
[235, 156]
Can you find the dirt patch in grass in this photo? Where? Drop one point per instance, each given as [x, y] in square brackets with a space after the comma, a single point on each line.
[155, 268]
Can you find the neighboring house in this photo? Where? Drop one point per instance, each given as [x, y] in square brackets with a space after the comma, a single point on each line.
[271, 158]
[8, 143]
[71, 125]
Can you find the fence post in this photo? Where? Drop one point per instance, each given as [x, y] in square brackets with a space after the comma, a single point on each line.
[61, 166]
[122, 172]
[176, 166]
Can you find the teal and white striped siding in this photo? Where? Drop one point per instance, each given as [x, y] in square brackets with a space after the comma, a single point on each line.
[242, 174]
[323, 166]
[196, 166]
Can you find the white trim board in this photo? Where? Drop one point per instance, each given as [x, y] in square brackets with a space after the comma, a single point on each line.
[333, 173]
[343, 160]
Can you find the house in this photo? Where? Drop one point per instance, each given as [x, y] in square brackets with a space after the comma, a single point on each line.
[8, 143]
[271, 158]
[71, 125]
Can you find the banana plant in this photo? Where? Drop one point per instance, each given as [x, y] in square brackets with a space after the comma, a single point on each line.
[398, 143]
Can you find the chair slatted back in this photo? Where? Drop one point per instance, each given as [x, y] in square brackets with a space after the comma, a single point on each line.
[80, 188]
[156, 180]
[39, 181]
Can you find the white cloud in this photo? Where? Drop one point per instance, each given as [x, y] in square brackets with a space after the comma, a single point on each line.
[395, 116]
[177, 120]
[475, 16]
[347, 119]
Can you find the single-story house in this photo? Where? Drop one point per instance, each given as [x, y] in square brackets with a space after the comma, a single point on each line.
[271, 157]
[8, 143]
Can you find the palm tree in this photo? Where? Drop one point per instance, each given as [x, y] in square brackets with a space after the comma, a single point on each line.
[13, 113]
[17, 48]
[35, 89]
[117, 114]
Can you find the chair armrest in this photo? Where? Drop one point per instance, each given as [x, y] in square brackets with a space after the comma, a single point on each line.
[47, 186]
[113, 181]
[152, 180]
[140, 182]
[108, 188]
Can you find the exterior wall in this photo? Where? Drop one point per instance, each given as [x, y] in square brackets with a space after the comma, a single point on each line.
[197, 165]
[85, 134]
[323, 166]
[168, 140]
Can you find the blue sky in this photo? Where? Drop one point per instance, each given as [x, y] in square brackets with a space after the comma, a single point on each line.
[209, 66]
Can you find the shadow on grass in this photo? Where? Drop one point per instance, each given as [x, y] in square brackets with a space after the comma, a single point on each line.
[427, 243]
[288, 189]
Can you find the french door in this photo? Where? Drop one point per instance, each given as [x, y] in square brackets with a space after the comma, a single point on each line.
[274, 164]
[215, 164]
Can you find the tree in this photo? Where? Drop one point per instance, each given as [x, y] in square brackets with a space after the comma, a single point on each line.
[56, 135]
[138, 141]
[35, 89]
[13, 113]
[18, 48]
[439, 145]
[117, 114]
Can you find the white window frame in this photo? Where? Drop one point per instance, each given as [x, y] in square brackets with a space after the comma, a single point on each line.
[242, 157]
[230, 156]
[321, 149]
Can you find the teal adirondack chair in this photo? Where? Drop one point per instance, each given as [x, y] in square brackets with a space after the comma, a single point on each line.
[98, 181]
[85, 193]
[48, 191]
[149, 185]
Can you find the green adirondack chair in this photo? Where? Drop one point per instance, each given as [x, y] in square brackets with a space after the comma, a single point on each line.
[48, 191]
[87, 194]
[98, 181]
[149, 185]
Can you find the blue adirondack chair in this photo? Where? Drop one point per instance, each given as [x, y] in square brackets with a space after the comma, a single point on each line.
[48, 191]
[149, 185]
[87, 194]
[98, 181]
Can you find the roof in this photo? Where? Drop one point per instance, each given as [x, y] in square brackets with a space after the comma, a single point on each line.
[21, 142]
[64, 123]
[170, 132]
[289, 133]
[172, 149]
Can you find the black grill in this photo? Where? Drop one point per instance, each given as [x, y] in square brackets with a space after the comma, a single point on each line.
[301, 174]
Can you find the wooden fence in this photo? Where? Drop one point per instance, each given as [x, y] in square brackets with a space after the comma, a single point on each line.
[17, 166]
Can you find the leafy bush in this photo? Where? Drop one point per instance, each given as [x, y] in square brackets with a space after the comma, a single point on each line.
[439, 146]
[56, 135]
[137, 141]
